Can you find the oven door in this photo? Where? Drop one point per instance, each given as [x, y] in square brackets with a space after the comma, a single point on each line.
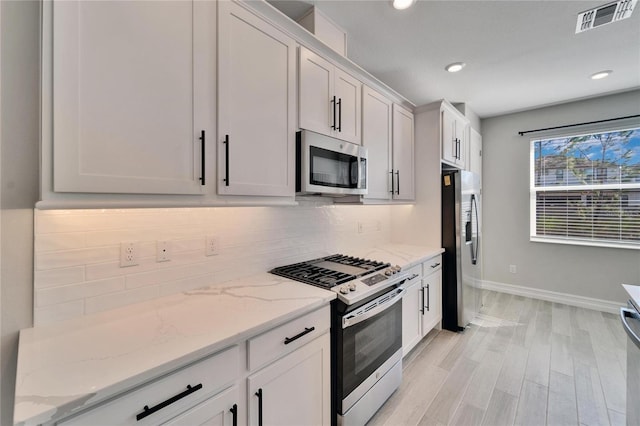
[370, 338]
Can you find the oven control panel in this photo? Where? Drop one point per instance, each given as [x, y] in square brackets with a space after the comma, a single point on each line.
[350, 292]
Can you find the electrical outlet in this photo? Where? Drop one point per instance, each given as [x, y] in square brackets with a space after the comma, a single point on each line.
[211, 246]
[512, 269]
[163, 251]
[128, 254]
[360, 227]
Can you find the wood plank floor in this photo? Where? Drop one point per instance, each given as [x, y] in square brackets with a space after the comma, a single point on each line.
[521, 362]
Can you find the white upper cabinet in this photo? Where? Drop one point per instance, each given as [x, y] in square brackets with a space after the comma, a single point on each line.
[454, 128]
[256, 105]
[128, 91]
[329, 100]
[376, 137]
[388, 135]
[403, 149]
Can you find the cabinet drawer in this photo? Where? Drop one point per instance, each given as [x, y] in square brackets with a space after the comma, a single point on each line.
[415, 270]
[283, 339]
[167, 396]
[433, 264]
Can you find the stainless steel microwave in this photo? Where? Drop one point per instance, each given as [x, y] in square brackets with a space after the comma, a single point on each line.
[329, 166]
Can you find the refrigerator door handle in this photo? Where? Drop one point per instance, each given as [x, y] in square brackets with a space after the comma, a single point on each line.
[476, 243]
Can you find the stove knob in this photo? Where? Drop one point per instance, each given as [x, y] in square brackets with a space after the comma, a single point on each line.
[344, 290]
[352, 287]
[388, 272]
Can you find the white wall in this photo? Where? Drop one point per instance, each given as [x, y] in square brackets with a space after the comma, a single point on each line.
[19, 118]
[584, 271]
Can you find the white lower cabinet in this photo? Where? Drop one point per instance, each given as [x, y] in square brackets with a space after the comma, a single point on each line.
[411, 321]
[287, 378]
[294, 390]
[431, 310]
[422, 303]
[219, 410]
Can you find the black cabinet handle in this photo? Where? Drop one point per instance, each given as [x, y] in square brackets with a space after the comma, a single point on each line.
[288, 340]
[259, 395]
[148, 411]
[422, 304]
[392, 186]
[333, 102]
[340, 114]
[435, 265]
[398, 181]
[234, 411]
[226, 160]
[202, 146]
[428, 297]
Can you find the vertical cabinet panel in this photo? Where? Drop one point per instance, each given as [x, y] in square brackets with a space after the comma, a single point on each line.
[432, 308]
[403, 149]
[411, 316]
[124, 89]
[294, 390]
[376, 137]
[256, 105]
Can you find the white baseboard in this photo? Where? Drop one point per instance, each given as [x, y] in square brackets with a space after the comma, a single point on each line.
[553, 296]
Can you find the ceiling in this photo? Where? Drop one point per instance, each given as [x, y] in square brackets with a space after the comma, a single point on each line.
[519, 55]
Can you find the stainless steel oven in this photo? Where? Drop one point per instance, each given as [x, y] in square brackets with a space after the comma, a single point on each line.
[366, 330]
[368, 351]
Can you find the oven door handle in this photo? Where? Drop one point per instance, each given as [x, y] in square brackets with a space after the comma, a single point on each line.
[349, 321]
[628, 313]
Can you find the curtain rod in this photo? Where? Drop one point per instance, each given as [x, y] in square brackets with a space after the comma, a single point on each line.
[579, 124]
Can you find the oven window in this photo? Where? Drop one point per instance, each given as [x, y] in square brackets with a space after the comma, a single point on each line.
[367, 345]
[335, 169]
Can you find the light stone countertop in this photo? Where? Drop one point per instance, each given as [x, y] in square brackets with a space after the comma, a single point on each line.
[67, 366]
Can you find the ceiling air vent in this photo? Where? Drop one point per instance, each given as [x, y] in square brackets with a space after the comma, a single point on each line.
[606, 14]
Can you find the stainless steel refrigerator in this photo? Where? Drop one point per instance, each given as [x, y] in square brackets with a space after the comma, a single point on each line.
[461, 219]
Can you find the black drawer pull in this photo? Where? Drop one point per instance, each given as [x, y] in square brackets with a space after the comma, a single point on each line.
[148, 411]
[435, 265]
[259, 395]
[288, 340]
[226, 160]
[234, 411]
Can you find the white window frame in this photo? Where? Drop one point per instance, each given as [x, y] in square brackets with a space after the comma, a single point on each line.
[533, 191]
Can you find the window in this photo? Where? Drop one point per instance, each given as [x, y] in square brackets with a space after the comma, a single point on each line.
[585, 189]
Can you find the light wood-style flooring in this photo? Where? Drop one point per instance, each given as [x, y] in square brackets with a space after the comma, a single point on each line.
[522, 361]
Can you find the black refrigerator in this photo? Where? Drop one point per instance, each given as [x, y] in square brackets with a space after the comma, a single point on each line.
[461, 273]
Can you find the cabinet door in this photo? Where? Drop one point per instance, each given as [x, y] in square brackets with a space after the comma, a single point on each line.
[126, 81]
[376, 137]
[218, 410]
[294, 390]
[315, 97]
[256, 105]
[432, 308]
[411, 316]
[449, 144]
[348, 92]
[403, 154]
[462, 136]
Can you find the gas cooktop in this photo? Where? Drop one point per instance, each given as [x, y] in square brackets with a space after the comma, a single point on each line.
[353, 278]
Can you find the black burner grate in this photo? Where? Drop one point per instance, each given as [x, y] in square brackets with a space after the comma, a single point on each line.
[308, 272]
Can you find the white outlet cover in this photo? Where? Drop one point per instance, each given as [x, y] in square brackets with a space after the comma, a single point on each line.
[128, 254]
[211, 245]
[163, 251]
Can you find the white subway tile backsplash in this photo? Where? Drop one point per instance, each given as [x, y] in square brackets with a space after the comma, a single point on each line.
[54, 295]
[77, 270]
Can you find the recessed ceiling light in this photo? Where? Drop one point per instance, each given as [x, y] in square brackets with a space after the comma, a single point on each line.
[601, 74]
[402, 4]
[455, 67]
